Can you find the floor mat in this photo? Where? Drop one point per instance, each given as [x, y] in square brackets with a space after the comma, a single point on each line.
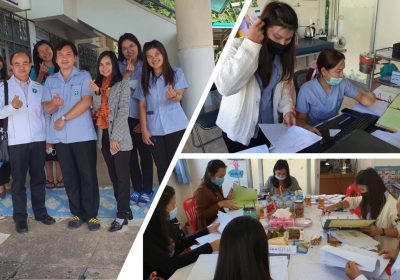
[57, 204]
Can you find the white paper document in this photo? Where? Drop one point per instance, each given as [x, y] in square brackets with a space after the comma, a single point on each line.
[388, 137]
[287, 139]
[355, 238]
[208, 238]
[377, 109]
[386, 93]
[333, 132]
[225, 218]
[205, 266]
[367, 261]
[262, 149]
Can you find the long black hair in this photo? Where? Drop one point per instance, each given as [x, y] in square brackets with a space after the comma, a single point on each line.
[3, 71]
[37, 60]
[167, 71]
[243, 252]
[282, 164]
[115, 74]
[159, 224]
[374, 199]
[278, 14]
[212, 169]
[130, 37]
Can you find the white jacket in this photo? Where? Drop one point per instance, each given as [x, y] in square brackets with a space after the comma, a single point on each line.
[236, 81]
[26, 124]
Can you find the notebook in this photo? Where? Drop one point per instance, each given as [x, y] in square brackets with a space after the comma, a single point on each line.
[390, 119]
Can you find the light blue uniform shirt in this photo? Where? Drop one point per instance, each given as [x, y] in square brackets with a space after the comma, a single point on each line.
[317, 105]
[266, 104]
[134, 79]
[163, 115]
[72, 90]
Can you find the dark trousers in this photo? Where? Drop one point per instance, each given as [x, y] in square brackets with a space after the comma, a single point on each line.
[141, 174]
[234, 146]
[23, 158]
[118, 169]
[5, 171]
[78, 165]
[163, 151]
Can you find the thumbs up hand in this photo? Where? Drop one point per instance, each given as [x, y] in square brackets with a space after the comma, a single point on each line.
[16, 103]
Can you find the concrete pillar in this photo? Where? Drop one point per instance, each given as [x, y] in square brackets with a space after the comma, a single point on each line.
[195, 47]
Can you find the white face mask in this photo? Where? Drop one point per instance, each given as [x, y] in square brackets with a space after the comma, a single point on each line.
[280, 178]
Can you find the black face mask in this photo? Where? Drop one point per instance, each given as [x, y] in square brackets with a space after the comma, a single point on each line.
[276, 48]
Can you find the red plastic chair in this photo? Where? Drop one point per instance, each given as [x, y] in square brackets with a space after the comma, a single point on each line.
[353, 190]
[189, 206]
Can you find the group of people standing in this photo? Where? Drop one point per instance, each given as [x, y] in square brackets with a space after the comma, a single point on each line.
[131, 110]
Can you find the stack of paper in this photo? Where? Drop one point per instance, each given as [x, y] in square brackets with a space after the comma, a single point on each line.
[287, 139]
[205, 266]
[245, 197]
[355, 238]
[367, 261]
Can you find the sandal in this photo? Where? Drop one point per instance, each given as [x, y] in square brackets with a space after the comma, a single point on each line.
[50, 184]
[2, 192]
[59, 183]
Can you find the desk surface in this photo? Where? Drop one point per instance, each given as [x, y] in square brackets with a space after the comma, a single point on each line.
[301, 266]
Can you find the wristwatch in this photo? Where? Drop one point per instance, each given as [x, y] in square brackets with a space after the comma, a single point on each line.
[383, 232]
[64, 118]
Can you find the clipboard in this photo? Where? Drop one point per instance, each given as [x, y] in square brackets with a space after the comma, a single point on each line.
[347, 223]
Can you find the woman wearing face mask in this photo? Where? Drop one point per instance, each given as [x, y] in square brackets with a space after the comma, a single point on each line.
[256, 78]
[281, 181]
[320, 98]
[209, 196]
[163, 250]
[376, 203]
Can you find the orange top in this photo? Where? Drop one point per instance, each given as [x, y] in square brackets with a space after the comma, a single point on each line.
[104, 110]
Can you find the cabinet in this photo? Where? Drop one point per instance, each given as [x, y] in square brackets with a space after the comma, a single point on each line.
[335, 183]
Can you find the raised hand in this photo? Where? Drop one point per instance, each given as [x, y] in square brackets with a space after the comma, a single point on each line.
[57, 100]
[94, 87]
[256, 31]
[170, 93]
[43, 69]
[16, 103]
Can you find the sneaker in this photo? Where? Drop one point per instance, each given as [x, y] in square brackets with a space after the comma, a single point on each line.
[75, 222]
[93, 224]
[135, 197]
[145, 198]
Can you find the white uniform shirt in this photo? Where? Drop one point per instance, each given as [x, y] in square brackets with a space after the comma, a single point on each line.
[26, 124]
